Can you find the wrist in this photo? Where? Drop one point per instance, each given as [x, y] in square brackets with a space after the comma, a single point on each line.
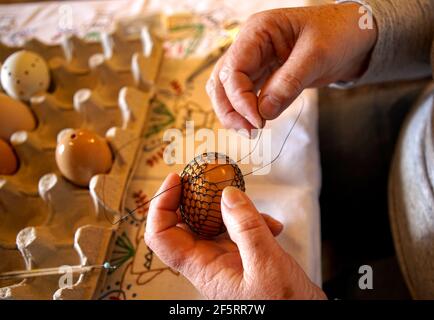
[364, 34]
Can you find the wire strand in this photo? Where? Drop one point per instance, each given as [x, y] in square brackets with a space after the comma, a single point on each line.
[219, 182]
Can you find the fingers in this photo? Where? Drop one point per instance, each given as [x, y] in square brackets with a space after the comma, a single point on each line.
[242, 65]
[233, 85]
[286, 84]
[163, 209]
[171, 243]
[233, 89]
[228, 116]
[274, 225]
[247, 228]
[241, 93]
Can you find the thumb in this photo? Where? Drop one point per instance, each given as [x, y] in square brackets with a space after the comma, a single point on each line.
[247, 228]
[286, 83]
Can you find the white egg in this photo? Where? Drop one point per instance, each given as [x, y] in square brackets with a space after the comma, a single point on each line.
[24, 74]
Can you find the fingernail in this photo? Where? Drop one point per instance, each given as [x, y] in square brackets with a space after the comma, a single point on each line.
[210, 85]
[277, 223]
[249, 134]
[254, 121]
[254, 134]
[269, 107]
[244, 132]
[233, 197]
[223, 74]
[271, 220]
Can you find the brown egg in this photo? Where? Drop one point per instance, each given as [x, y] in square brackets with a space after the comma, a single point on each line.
[14, 116]
[81, 154]
[8, 159]
[203, 181]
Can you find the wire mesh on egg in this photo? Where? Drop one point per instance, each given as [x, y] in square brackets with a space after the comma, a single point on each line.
[200, 198]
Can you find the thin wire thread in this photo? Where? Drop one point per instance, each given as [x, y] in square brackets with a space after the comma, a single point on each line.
[34, 273]
[218, 166]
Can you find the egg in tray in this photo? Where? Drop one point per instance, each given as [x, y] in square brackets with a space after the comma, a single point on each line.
[71, 118]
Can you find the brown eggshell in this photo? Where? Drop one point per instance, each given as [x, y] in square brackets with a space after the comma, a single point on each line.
[222, 175]
[8, 159]
[203, 181]
[14, 116]
[81, 154]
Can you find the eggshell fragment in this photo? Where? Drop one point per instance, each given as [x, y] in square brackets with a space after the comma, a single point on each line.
[14, 116]
[24, 74]
[81, 154]
[8, 159]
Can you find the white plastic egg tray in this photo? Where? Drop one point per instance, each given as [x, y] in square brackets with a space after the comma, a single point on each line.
[46, 221]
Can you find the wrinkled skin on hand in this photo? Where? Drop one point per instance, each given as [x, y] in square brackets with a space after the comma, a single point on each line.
[245, 263]
[278, 53]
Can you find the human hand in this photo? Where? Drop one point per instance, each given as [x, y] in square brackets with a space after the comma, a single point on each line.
[278, 53]
[248, 263]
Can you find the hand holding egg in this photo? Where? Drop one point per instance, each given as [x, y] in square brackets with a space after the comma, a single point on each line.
[81, 154]
[203, 181]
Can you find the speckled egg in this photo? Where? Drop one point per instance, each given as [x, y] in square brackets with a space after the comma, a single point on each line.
[203, 181]
[24, 74]
[8, 159]
[81, 154]
[14, 116]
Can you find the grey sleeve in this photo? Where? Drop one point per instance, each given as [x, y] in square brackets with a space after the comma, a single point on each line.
[405, 37]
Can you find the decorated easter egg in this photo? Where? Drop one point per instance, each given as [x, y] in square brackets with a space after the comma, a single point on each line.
[24, 74]
[14, 116]
[81, 154]
[8, 159]
[203, 181]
